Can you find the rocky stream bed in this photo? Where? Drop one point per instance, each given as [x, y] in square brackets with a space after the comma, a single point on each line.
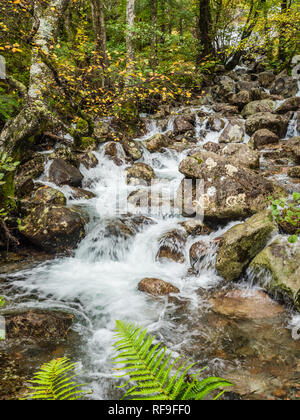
[111, 236]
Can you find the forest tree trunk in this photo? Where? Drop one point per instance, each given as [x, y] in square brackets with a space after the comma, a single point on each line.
[130, 18]
[205, 46]
[35, 114]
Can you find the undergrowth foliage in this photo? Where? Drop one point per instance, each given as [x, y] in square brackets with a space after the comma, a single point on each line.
[55, 381]
[154, 372]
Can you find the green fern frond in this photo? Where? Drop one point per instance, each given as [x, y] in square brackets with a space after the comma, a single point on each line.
[151, 369]
[54, 381]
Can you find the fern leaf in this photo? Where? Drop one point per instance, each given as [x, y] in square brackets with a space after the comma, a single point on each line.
[152, 370]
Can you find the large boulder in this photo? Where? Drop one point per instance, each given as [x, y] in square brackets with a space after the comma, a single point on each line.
[265, 105]
[53, 228]
[284, 85]
[266, 78]
[157, 287]
[291, 104]
[263, 137]
[184, 123]
[230, 191]
[157, 142]
[239, 154]
[277, 269]
[132, 148]
[234, 132]
[275, 123]
[171, 246]
[140, 173]
[241, 243]
[225, 88]
[241, 99]
[62, 173]
[292, 146]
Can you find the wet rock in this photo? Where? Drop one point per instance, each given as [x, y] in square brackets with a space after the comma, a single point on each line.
[49, 196]
[225, 88]
[215, 123]
[26, 173]
[291, 104]
[263, 137]
[115, 152]
[230, 192]
[225, 109]
[254, 107]
[275, 123]
[140, 174]
[234, 132]
[196, 227]
[81, 194]
[184, 123]
[157, 142]
[53, 229]
[284, 85]
[292, 146]
[132, 149]
[294, 172]
[266, 78]
[157, 287]
[240, 99]
[199, 253]
[247, 85]
[88, 160]
[241, 155]
[277, 269]
[62, 173]
[38, 326]
[245, 304]
[241, 243]
[171, 246]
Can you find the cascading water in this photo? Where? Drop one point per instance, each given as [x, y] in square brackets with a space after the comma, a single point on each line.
[99, 283]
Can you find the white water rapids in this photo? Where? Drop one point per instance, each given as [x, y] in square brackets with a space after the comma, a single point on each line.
[99, 284]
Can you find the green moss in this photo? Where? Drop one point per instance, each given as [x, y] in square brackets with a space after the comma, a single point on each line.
[87, 143]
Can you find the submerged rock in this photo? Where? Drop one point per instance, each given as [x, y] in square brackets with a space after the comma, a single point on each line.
[199, 254]
[38, 325]
[54, 229]
[241, 243]
[231, 192]
[292, 146]
[277, 269]
[245, 304]
[157, 287]
[62, 173]
[171, 246]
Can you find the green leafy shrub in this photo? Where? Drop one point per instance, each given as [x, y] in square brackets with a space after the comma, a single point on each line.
[54, 381]
[150, 368]
[8, 105]
[7, 164]
[287, 214]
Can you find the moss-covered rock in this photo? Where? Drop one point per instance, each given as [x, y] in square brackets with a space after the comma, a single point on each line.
[48, 195]
[241, 243]
[264, 105]
[277, 269]
[140, 174]
[87, 143]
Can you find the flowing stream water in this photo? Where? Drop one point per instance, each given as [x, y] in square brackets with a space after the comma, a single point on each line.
[99, 285]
